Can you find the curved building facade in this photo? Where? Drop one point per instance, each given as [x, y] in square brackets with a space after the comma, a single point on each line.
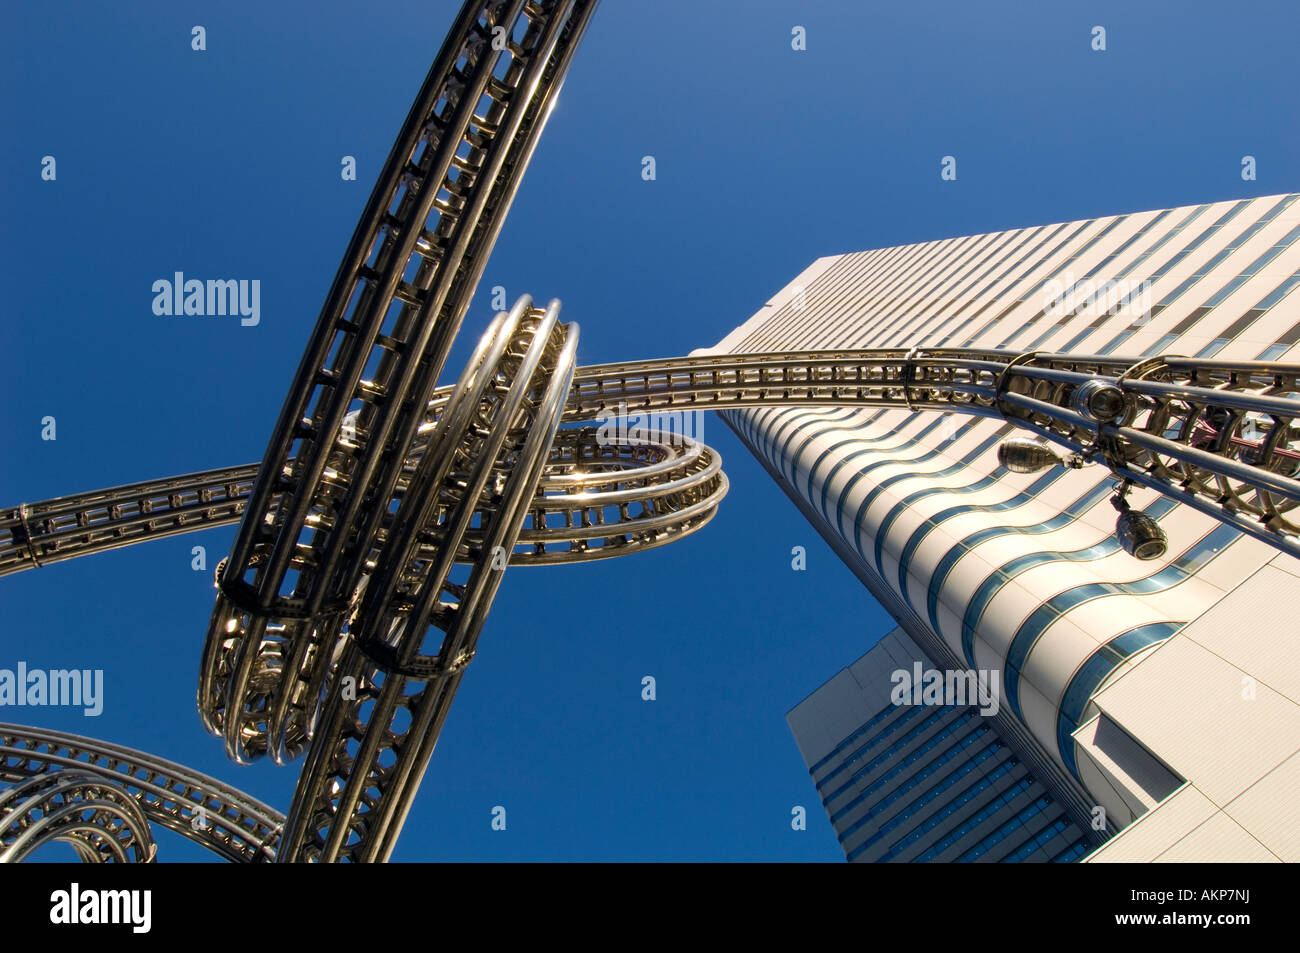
[1163, 692]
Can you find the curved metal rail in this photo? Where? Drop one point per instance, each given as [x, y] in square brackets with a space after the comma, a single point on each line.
[341, 444]
[362, 771]
[202, 809]
[1217, 435]
[100, 820]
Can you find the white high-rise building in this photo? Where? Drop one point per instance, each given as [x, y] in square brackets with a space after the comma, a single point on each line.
[1165, 692]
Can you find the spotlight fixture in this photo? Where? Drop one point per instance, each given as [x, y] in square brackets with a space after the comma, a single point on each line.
[1026, 455]
[1139, 534]
[1102, 401]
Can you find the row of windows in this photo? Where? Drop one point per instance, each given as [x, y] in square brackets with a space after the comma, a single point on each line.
[1028, 292]
[947, 265]
[859, 519]
[862, 471]
[1072, 853]
[766, 440]
[1179, 256]
[1009, 827]
[958, 257]
[1197, 313]
[907, 715]
[1137, 263]
[914, 779]
[823, 416]
[944, 784]
[953, 836]
[1173, 261]
[960, 290]
[1037, 842]
[1228, 288]
[882, 530]
[996, 581]
[884, 267]
[1029, 632]
[892, 750]
[1063, 266]
[1250, 317]
[1090, 276]
[883, 283]
[823, 420]
[1193, 318]
[859, 472]
[889, 776]
[919, 534]
[1209, 266]
[1001, 801]
[939, 578]
[880, 269]
[847, 460]
[1093, 672]
[866, 726]
[1027, 256]
[857, 440]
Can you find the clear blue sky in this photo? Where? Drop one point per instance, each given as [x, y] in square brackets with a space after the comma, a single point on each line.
[225, 164]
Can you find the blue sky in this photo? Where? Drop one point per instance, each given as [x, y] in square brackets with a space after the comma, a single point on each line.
[225, 163]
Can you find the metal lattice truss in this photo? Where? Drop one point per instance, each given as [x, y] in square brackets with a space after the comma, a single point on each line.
[374, 533]
[60, 777]
[1220, 436]
[99, 820]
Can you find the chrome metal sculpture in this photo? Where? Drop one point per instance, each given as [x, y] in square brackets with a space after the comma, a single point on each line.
[375, 531]
[125, 788]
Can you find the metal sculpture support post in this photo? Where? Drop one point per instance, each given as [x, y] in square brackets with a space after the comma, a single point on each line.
[375, 531]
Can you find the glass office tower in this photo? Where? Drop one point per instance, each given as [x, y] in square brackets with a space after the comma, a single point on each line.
[1164, 694]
